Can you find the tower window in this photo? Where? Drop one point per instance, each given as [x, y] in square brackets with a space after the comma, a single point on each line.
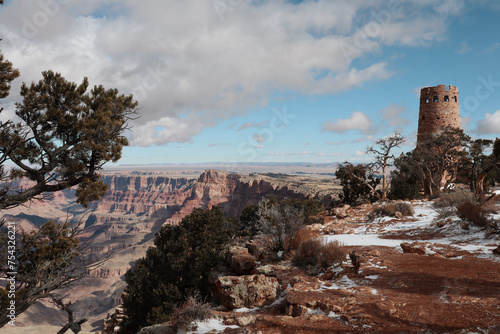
[423, 118]
[426, 99]
[435, 99]
[438, 117]
[446, 98]
[455, 98]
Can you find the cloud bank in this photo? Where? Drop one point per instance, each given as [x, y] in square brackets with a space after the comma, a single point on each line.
[192, 65]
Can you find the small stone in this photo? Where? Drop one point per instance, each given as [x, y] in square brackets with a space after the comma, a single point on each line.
[496, 251]
[416, 247]
[245, 321]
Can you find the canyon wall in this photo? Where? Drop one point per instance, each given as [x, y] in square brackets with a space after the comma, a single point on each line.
[170, 199]
[137, 204]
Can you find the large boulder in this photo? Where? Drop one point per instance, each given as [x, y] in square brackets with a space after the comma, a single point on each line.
[240, 261]
[243, 264]
[247, 291]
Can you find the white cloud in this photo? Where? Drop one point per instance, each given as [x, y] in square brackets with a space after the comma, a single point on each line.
[393, 113]
[218, 145]
[490, 124]
[465, 122]
[418, 31]
[357, 121]
[249, 125]
[183, 63]
[450, 7]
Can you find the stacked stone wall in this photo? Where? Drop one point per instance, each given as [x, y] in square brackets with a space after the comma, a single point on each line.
[439, 107]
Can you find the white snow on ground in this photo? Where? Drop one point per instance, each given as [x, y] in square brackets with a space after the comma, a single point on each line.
[207, 326]
[343, 283]
[370, 234]
[246, 309]
[364, 240]
[315, 311]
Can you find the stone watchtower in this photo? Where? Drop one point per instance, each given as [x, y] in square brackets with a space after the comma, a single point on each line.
[438, 108]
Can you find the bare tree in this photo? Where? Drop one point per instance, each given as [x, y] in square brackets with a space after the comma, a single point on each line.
[480, 191]
[384, 158]
[280, 221]
[75, 326]
[438, 158]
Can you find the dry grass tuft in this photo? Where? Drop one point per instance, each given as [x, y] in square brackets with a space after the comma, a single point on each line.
[184, 317]
[474, 213]
[303, 234]
[447, 203]
[389, 210]
[316, 252]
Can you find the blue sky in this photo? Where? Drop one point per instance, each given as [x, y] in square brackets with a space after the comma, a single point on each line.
[252, 81]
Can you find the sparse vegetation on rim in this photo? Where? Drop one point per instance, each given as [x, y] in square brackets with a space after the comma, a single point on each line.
[193, 310]
[391, 209]
[448, 202]
[316, 252]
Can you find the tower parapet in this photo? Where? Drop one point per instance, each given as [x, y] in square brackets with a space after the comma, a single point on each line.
[439, 107]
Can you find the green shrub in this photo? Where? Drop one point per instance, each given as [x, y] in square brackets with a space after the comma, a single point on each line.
[311, 207]
[356, 184]
[249, 219]
[175, 268]
[403, 189]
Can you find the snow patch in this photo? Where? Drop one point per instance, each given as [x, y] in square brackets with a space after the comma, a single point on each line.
[472, 240]
[207, 326]
[316, 311]
[333, 315]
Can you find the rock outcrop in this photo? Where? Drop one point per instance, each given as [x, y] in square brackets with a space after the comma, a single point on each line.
[247, 291]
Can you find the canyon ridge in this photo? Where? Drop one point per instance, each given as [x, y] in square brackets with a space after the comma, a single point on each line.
[123, 223]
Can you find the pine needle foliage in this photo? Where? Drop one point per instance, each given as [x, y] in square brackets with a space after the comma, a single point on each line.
[176, 268]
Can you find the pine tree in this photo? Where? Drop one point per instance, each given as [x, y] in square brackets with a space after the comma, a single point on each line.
[62, 138]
